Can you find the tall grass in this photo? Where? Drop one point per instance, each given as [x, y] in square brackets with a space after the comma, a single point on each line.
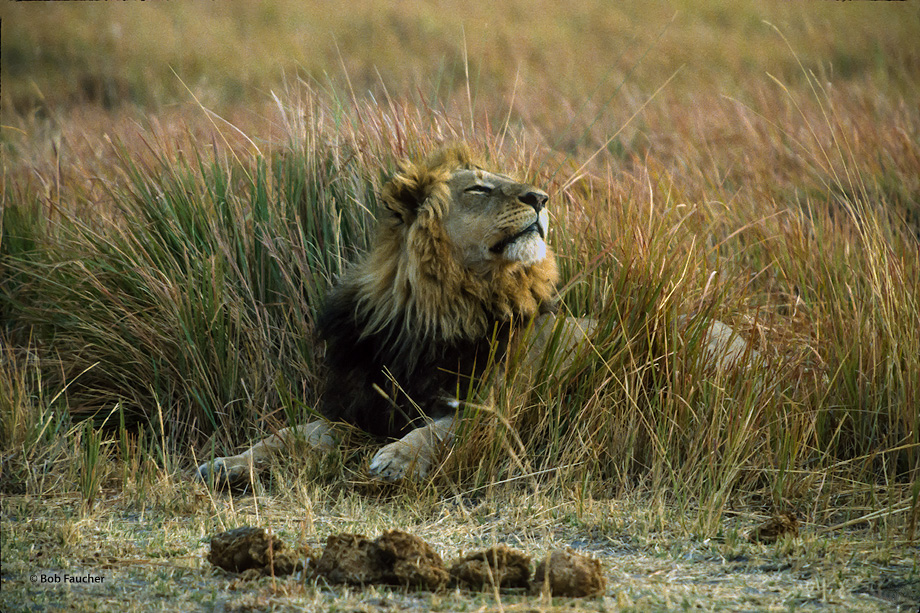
[199, 297]
[188, 298]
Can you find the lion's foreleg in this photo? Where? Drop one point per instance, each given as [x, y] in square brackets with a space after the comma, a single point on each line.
[413, 455]
[234, 470]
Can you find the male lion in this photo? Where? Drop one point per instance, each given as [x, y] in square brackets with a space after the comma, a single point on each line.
[459, 266]
[459, 262]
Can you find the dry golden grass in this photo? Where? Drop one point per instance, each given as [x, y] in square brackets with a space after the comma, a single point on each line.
[181, 182]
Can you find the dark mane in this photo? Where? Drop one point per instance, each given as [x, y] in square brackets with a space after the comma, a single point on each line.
[385, 383]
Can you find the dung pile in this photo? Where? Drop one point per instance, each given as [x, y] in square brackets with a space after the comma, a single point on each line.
[251, 549]
[777, 526]
[400, 558]
[498, 566]
[395, 558]
[567, 573]
[349, 558]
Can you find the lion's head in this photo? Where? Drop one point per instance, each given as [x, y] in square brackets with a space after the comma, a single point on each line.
[458, 248]
[490, 219]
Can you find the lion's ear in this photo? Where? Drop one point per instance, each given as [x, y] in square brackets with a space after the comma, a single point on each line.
[410, 189]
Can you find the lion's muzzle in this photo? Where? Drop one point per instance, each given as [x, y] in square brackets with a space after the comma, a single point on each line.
[528, 235]
[535, 227]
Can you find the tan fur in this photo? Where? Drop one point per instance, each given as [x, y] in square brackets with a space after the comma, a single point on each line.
[458, 250]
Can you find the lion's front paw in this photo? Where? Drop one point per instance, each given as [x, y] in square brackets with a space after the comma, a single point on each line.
[400, 460]
[233, 472]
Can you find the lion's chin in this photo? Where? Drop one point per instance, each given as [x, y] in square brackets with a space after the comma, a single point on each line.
[527, 249]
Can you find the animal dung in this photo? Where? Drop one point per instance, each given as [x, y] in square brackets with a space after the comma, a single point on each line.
[566, 573]
[400, 558]
[410, 561]
[249, 548]
[395, 558]
[349, 558]
[775, 527]
[499, 566]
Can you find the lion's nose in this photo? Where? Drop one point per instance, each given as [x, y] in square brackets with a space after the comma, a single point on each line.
[537, 200]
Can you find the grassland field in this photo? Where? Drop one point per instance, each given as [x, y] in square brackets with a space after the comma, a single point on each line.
[182, 183]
